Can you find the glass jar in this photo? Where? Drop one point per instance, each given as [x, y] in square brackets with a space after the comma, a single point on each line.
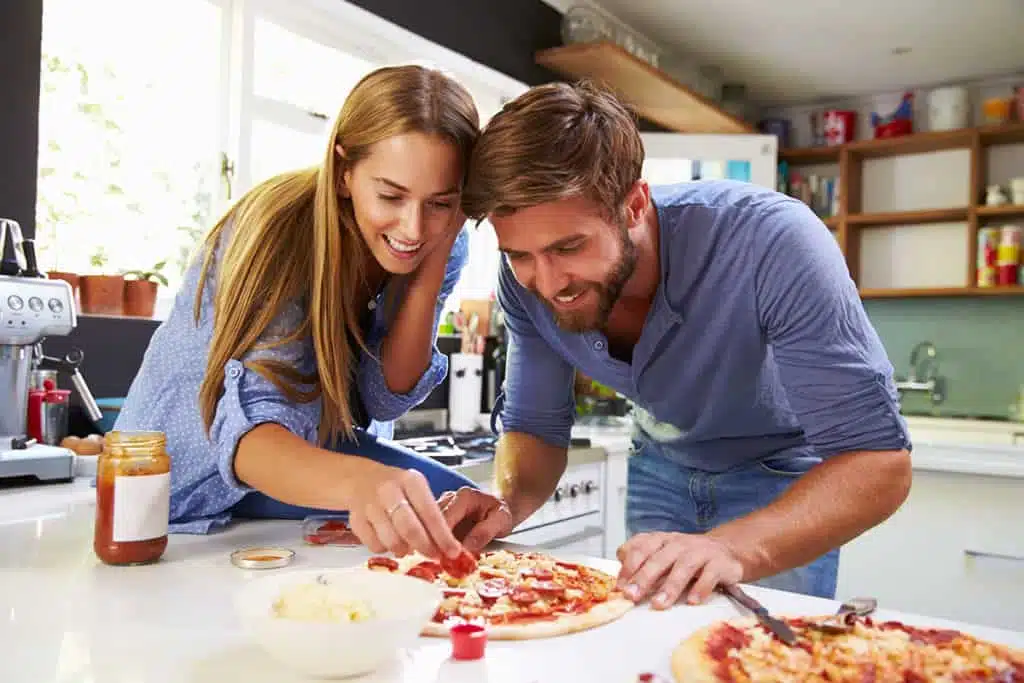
[133, 485]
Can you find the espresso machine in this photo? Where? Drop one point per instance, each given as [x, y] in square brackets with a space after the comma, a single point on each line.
[31, 309]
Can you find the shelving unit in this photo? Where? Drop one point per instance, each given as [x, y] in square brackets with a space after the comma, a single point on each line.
[651, 92]
[850, 223]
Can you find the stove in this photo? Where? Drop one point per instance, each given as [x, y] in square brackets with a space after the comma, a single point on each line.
[452, 449]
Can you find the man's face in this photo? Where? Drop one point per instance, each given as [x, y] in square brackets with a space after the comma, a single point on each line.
[569, 256]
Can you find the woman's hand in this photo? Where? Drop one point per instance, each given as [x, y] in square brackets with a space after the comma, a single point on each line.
[436, 260]
[393, 510]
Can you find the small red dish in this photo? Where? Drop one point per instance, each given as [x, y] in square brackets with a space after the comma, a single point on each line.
[468, 641]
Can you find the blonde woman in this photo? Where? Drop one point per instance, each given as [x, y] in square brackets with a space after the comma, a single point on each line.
[308, 325]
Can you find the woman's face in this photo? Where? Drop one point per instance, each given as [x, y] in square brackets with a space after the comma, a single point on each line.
[405, 196]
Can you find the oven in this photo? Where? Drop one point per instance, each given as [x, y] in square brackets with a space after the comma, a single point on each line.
[571, 521]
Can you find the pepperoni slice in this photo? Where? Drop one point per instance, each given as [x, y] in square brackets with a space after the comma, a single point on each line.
[334, 525]
[524, 596]
[383, 563]
[538, 573]
[460, 566]
[427, 571]
[492, 589]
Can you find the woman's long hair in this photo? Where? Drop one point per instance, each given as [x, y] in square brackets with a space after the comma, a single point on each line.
[293, 238]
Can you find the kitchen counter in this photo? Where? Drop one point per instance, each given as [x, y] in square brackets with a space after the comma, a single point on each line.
[66, 618]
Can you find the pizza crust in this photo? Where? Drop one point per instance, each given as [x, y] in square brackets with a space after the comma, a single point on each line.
[690, 661]
[600, 614]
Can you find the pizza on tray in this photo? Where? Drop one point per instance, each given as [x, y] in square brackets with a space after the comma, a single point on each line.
[515, 595]
[743, 651]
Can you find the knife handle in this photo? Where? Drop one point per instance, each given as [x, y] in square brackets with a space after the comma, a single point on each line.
[737, 594]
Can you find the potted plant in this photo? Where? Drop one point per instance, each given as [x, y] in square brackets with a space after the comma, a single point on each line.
[101, 293]
[140, 290]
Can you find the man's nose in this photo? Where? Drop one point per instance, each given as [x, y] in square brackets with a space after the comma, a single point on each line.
[548, 278]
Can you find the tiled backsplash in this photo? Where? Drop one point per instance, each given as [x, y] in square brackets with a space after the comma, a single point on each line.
[980, 344]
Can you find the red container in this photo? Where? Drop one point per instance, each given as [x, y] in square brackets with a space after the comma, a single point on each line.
[840, 126]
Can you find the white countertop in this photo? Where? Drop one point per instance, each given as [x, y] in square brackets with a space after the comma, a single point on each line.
[66, 618]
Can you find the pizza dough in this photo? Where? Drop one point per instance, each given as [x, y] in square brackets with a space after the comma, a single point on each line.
[741, 650]
[516, 595]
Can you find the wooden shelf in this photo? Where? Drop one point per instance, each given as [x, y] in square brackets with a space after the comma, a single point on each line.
[951, 215]
[651, 92]
[810, 155]
[1002, 134]
[937, 292]
[1009, 211]
[919, 143]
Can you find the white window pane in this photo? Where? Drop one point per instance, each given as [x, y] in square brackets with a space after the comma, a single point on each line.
[277, 148]
[129, 166]
[303, 72]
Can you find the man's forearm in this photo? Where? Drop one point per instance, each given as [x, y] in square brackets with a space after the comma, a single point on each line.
[832, 504]
[526, 472]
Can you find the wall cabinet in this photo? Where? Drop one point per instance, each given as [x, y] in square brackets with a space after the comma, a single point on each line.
[954, 550]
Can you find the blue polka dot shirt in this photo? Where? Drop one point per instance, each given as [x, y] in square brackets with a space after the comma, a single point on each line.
[164, 395]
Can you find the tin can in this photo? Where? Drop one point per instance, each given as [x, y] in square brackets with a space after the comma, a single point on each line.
[988, 247]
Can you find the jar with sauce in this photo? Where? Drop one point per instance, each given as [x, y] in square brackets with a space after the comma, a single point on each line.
[133, 482]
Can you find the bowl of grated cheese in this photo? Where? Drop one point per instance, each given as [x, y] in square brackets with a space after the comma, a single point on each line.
[335, 622]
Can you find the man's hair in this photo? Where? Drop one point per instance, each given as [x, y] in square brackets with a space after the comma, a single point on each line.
[553, 142]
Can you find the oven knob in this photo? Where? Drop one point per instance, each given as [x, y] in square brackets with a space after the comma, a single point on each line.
[589, 486]
[559, 494]
[574, 490]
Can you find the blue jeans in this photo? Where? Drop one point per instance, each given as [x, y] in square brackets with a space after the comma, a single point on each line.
[665, 495]
[258, 505]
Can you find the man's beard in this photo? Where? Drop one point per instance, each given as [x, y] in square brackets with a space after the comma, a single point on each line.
[608, 292]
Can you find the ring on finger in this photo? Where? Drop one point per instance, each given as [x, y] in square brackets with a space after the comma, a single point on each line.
[394, 508]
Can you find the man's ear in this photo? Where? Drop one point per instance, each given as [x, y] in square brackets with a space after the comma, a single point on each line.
[637, 201]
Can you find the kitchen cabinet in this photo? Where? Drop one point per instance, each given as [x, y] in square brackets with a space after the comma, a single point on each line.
[955, 549]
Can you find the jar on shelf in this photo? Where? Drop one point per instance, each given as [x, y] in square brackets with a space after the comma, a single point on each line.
[734, 100]
[582, 24]
[133, 477]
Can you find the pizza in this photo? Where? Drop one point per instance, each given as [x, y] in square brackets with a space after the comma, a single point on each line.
[743, 651]
[514, 595]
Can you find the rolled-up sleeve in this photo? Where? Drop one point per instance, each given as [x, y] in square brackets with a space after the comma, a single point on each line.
[836, 374]
[385, 405]
[250, 399]
[538, 396]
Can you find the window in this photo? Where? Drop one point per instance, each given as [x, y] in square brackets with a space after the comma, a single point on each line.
[151, 125]
[129, 169]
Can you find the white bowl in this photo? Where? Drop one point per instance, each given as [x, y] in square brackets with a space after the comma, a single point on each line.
[403, 605]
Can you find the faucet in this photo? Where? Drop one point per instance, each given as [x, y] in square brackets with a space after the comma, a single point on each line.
[923, 375]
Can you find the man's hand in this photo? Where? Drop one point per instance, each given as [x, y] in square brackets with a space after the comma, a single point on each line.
[672, 561]
[475, 517]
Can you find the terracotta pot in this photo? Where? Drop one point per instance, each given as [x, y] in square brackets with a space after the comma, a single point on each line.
[139, 298]
[102, 294]
[70, 278]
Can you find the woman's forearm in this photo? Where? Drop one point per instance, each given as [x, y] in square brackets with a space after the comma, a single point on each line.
[409, 345]
[287, 468]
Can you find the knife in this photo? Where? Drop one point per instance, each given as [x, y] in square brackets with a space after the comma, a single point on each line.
[780, 628]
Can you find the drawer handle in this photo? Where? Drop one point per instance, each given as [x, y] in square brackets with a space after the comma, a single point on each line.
[995, 556]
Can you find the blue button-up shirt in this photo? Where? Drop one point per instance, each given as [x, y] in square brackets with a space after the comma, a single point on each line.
[756, 341]
[164, 395]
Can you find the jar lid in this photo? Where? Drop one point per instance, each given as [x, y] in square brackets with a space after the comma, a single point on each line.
[262, 557]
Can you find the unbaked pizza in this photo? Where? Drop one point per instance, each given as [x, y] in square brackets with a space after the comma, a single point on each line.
[515, 595]
[743, 651]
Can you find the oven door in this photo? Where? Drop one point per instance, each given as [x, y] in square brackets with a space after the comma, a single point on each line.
[582, 535]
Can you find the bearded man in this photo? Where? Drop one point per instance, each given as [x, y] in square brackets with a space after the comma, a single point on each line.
[768, 429]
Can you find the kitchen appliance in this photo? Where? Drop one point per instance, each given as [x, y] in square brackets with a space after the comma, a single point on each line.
[31, 308]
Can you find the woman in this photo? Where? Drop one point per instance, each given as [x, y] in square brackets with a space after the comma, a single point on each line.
[309, 324]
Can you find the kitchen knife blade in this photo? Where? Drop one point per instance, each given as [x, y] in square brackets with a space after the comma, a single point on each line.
[780, 628]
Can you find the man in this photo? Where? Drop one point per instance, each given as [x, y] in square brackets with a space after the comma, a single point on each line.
[768, 427]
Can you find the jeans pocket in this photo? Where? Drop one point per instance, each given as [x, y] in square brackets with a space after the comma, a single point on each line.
[789, 465]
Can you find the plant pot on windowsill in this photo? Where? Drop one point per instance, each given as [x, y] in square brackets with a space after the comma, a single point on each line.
[70, 278]
[102, 294]
[141, 289]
